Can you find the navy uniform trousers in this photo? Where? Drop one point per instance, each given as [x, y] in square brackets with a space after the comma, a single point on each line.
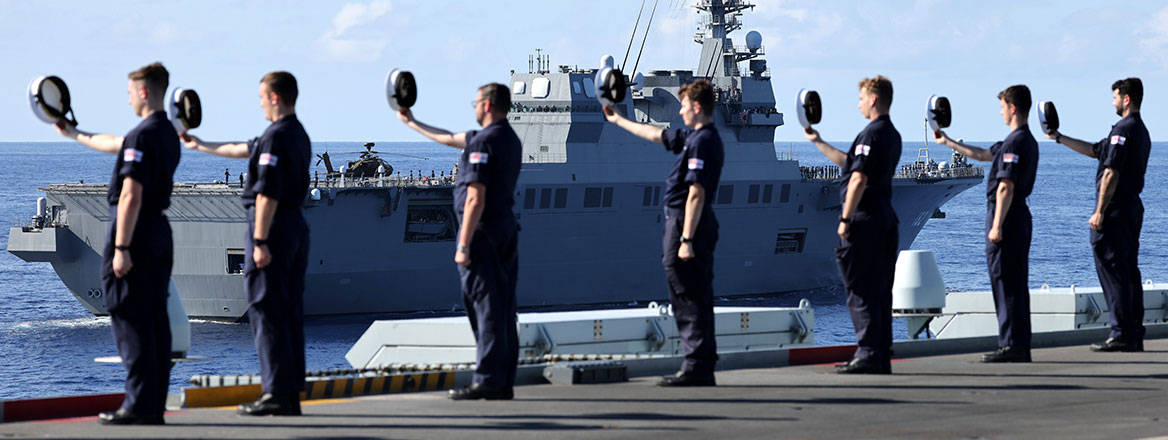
[488, 293]
[867, 262]
[691, 291]
[137, 308]
[276, 297]
[1117, 249]
[1009, 267]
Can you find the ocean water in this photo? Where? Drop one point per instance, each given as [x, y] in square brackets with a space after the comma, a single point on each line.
[48, 341]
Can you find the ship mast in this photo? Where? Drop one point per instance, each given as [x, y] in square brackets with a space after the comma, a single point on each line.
[719, 56]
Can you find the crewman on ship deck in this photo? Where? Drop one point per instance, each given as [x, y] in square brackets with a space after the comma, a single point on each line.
[1008, 222]
[868, 227]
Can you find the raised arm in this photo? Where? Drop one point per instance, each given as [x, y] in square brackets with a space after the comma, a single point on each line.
[456, 140]
[647, 132]
[970, 151]
[234, 150]
[105, 143]
[1080, 146]
[839, 158]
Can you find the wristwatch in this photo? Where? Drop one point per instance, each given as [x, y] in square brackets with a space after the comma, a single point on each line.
[684, 240]
[845, 220]
[122, 248]
[260, 241]
[463, 249]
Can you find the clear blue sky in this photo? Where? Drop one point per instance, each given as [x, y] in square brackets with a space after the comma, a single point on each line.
[1066, 51]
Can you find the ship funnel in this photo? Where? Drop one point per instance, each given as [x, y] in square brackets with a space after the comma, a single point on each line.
[918, 287]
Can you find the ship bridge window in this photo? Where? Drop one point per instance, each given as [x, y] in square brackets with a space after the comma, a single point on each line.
[752, 194]
[519, 87]
[766, 193]
[652, 196]
[235, 261]
[430, 222]
[576, 87]
[785, 193]
[545, 198]
[589, 88]
[790, 241]
[529, 198]
[725, 194]
[561, 198]
[598, 197]
[540, 87]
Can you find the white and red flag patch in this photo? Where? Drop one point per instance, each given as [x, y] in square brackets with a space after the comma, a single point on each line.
[1010, 158]
[476, 157]
[697, 164]
[132, 155]
[268, 159]
[1118, 140]
[863, 149]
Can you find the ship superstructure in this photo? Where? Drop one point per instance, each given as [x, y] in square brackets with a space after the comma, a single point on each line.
[588, 200]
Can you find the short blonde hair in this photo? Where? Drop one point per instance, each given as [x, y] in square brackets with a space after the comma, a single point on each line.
[880, 86]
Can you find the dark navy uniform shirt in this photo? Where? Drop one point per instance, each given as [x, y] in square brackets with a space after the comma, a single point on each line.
[1015, 158]
[492, 157]
[875, 152]
[149, 155]
[1126, 151]
[700, 157]
[278, 164]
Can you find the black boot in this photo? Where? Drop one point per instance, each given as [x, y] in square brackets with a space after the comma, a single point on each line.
[272, 405]
[864, 366]
[1113, 345]
[687, 379]
[480, 391]
[124, 417]
[1007, 354]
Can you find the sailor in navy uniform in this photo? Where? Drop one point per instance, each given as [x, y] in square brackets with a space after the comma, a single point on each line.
[277, 241]
[868, 227]
[139, 250]
[1119, 214]
[691, 229]
[487, 252]
[1008, 222]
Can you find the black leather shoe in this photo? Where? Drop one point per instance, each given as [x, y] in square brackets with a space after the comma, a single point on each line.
[1112, 345]
[480, 391]
[685, 379]
[1006, 354]
[124, 417]
[864, 366]
[272, 405]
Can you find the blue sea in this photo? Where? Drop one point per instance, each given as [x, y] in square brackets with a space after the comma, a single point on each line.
[48, 341]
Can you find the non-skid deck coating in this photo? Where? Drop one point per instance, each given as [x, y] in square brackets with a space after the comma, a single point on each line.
[1068, 392]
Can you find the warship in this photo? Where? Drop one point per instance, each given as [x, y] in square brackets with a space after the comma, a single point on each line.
[588, 200]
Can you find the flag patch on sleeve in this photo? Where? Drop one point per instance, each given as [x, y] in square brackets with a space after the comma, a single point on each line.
[1118, 140]
[863, 149]
[132, 155]
[697, 164]
[268, 159]
[1010, 158]
[477, 158]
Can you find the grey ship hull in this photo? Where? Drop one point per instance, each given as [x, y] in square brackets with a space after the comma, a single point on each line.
[364, 261]
[588, 201]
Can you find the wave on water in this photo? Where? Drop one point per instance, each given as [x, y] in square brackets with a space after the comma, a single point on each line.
[69, 323]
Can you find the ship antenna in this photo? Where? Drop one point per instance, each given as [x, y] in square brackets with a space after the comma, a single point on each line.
[633, 36]
[642, 50]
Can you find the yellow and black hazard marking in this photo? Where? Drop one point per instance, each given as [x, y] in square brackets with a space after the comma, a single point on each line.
[207, 397]
[363, 386]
